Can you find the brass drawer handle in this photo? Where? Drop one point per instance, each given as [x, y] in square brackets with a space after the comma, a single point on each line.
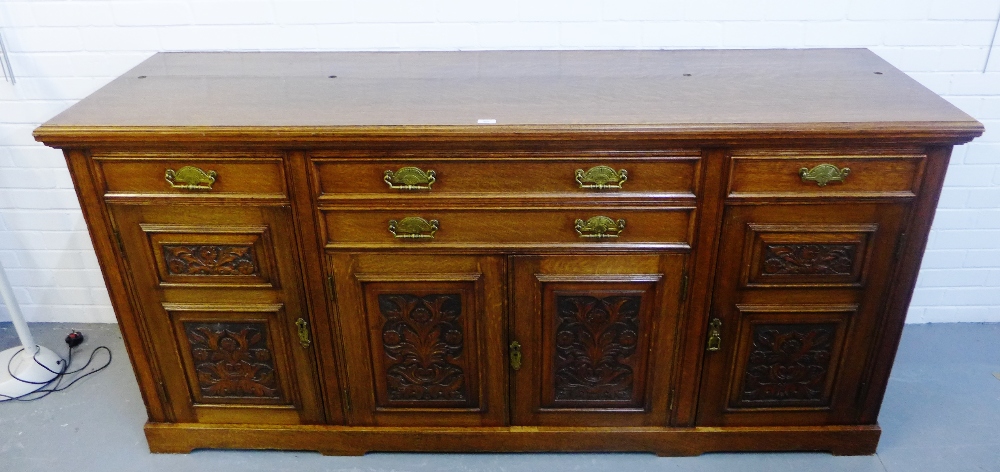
[599, 227]
[823, 174]
[191, 178]
[303, 332]
[410, 178]
[714, 335]
[414, 227]
[515, 355]
[601, 178]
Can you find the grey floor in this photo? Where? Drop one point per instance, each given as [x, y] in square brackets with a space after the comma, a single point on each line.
[941, 413]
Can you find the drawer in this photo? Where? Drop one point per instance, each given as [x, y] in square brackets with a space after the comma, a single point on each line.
[669, 227]
[192, 175]
[670, 176]
[820, 175]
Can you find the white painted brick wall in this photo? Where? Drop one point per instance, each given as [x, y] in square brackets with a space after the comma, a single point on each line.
[63, 50]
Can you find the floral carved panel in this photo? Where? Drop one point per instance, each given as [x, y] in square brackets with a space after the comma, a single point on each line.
[596, 339]
[423, 349]
[233, 361]
[788, 364]
[809, 259]
[209, 260]
[821, 255]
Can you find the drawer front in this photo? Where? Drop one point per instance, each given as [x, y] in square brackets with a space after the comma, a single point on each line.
[498, 228]
[429, 177]
[192, 175]
[821, 175]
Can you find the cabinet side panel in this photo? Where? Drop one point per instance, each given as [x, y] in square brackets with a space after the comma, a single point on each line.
[904, 280]
[134, 332]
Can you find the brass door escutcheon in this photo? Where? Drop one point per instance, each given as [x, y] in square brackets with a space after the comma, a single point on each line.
[303, 332]
[191, 178]
[823, 174]
[410, 178]
[515, 355]
[599, 227]
[414, 227]
[601, 177]
[714, 335]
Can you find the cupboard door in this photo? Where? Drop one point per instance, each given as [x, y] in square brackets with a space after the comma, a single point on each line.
[595, 337]
[220, 296]
[423, 337]
[797, 297]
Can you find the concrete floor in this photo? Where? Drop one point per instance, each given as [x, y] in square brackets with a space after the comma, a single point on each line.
[941, 413]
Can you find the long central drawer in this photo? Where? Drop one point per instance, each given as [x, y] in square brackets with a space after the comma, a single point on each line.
[361, 227]
[356, 177]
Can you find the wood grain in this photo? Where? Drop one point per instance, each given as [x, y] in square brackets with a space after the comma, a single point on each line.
[333, 440]
[524, 88]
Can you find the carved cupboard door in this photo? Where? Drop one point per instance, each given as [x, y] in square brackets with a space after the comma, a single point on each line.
[423, 338]
[219, 293]
[593, 338]
[797, 297]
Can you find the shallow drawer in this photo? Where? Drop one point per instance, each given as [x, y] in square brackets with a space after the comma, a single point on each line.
[192, 175]
[819, 175]
[668, 175]
[484, 228]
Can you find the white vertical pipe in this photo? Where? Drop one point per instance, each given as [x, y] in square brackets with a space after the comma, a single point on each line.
[15, 314]
[8, 71]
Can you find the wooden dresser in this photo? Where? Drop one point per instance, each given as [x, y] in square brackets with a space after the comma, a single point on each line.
[666, 251]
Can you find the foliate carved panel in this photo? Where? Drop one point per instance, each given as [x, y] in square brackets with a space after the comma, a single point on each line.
[830, 255]
[209, 260]
[809, 259]
[233, 361]
[423, 344]
[595, 348]
[788, 364]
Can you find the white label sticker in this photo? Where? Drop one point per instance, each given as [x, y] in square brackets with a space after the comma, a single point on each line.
[486, 121]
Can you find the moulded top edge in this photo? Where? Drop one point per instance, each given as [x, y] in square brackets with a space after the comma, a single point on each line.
[311, 136]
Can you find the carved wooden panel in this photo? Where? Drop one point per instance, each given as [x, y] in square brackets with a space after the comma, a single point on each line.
[420, 332]
[595, 344]
[209, 260]
[597, 335]
[788, 364]
[806, 255]
[422, 341]
[233, 361]
[595, 348]
[809, 259]
[213, 255]
[786, 357]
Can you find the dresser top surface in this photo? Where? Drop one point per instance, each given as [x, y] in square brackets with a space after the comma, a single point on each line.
[668, 90]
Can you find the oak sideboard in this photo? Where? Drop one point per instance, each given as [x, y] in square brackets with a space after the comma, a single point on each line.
[665, 251]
